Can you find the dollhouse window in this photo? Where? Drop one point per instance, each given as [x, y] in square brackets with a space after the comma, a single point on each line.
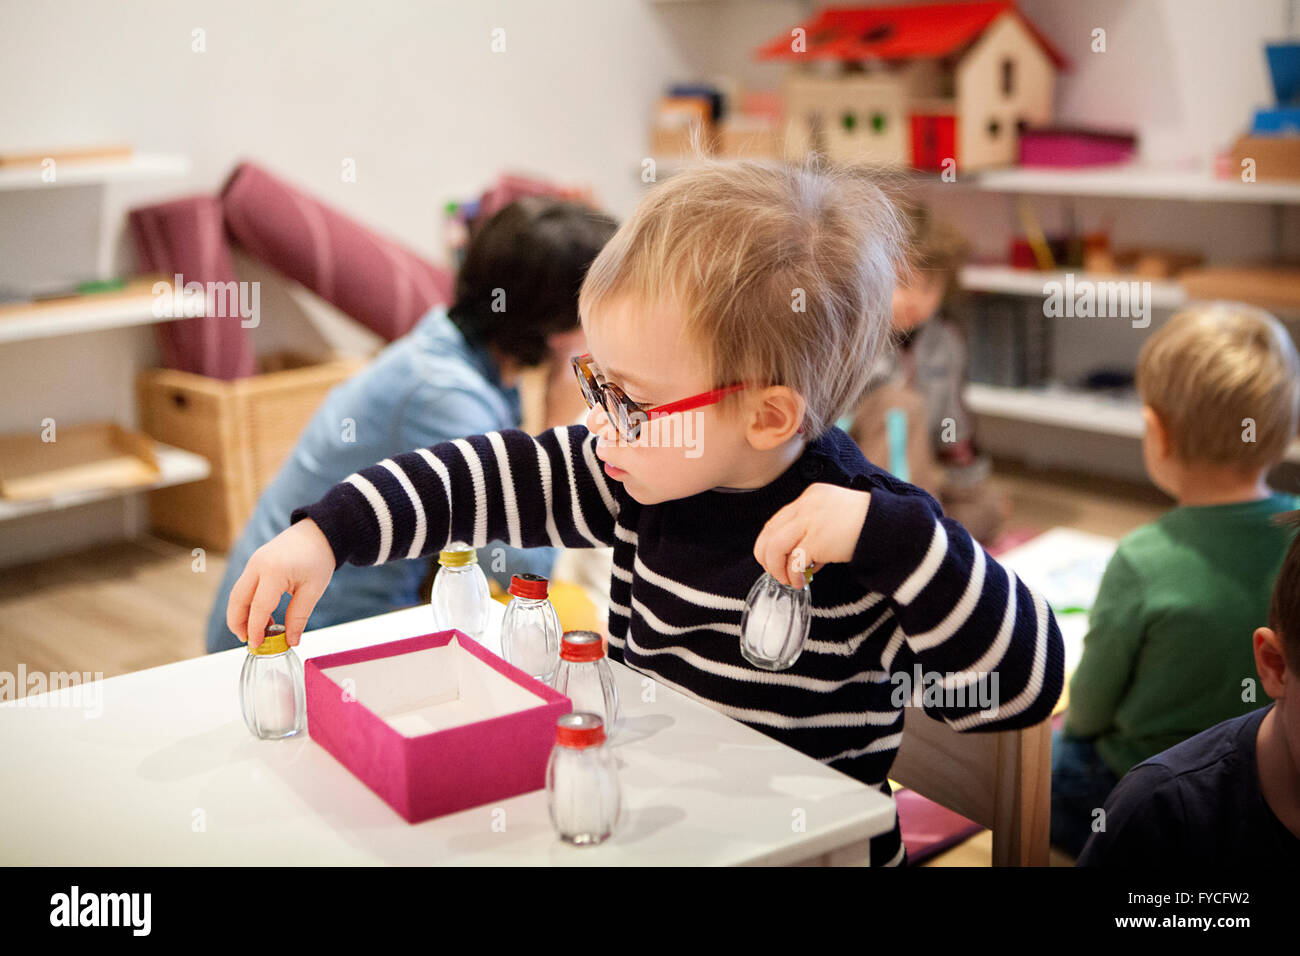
[849, 122]
[994, 128]
[1008, 76]
[878, 122]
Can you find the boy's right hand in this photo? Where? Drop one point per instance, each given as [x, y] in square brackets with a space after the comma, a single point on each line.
[298, 560]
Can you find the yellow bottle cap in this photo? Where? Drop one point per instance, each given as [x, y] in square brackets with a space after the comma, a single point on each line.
[273, 642]
[456, 558]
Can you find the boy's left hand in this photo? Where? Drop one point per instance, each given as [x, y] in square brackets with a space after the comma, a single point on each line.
[821, 526]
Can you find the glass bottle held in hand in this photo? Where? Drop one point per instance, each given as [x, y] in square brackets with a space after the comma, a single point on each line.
[460, 592]
[775, 622]
[582, 789]
[584, 676]
[530, 630]
[272, 691]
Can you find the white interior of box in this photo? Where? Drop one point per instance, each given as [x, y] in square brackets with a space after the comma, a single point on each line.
[433, 689]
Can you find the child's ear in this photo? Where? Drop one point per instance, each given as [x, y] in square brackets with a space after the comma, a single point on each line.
[1156, 428]
[776, 415]
[1270, 661]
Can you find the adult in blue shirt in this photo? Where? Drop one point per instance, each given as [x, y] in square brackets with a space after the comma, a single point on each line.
[450, 376]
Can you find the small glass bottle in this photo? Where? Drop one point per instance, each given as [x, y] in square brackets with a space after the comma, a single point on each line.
[584, 676]
[582, 791]
[460, 592]
[530, 630]
[272, 691]
[776, 622]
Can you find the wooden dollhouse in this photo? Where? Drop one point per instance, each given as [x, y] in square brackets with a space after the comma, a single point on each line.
[915, 85]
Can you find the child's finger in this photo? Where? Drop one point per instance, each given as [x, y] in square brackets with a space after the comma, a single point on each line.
[797, 563]
[776, 554]
[265, 600]
[299, 610]
[237, 607]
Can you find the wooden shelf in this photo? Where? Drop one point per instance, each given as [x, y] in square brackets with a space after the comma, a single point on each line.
[98, 172]
[1067, 408]
[176, 467]
[91, 313]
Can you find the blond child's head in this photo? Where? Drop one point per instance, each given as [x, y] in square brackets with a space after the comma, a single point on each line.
[1220, 388]
[771, 276]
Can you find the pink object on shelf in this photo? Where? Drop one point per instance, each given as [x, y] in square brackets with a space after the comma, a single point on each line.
[187, 237]
[377, 281]
[1059, 146]
[433, 724]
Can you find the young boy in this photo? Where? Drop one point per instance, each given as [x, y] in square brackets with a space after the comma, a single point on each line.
[913, 420]
[1229, 796]
[451, 375]
[739, 309]
[1162, 660]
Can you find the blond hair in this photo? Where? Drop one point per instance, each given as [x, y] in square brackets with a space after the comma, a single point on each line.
[783, 274]
[1217, 373]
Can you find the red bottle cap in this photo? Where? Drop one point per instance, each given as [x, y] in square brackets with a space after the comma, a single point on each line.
[579, 730]
[578, 646]
[531, 586]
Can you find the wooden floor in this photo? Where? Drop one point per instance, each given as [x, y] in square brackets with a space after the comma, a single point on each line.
[140, 604]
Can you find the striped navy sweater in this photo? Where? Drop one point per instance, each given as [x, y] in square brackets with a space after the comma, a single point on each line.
[918, 591]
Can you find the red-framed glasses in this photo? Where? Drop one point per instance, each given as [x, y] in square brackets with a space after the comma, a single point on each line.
[627, 415]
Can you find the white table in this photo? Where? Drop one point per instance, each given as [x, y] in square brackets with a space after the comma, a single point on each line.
[167, 774]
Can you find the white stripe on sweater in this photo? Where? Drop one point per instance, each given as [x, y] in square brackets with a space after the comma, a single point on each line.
[1034, 686]
[749, 674]
[707, 599]
[480, 491]
[507, 487]
[445, 477]
[544, 471]
[863, 718]
[850, 647]
[421, 523]
[383, 517]
[919, 578]
[879, 745]
[853, 607]
[960, 613]
[579, 519]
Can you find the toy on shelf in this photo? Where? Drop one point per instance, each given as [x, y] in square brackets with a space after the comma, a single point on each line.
[1271, 150]
[1061, 146]
[926, 86]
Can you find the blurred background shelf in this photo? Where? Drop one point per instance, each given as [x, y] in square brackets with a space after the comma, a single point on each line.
[133, 305]
[139, 166]
[1067, 408]
[175, 467]
[1165, 294]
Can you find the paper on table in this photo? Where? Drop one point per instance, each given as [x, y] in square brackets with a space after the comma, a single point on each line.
[432, 689]
[1065, 567]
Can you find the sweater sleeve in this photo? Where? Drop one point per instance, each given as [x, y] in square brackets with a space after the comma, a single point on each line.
[542, 491]
[988, 649]
[1110, 650]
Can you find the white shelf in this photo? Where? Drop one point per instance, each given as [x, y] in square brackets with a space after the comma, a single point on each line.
[176, 467]
[1165, 293]
[90, 313]
[1067, 408]
[1134, 182]
[81, 173]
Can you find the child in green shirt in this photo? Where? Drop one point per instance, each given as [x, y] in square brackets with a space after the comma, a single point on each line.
[1163, 659]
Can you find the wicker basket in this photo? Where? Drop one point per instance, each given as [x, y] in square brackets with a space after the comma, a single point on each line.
[245, 429]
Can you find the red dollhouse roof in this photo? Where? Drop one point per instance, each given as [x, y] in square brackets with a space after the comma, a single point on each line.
[899, 33]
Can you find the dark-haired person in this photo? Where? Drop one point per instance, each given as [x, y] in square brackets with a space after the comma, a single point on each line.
[1230, 796]
[450, 376]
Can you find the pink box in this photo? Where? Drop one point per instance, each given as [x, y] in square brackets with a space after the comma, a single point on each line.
[433, 724]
